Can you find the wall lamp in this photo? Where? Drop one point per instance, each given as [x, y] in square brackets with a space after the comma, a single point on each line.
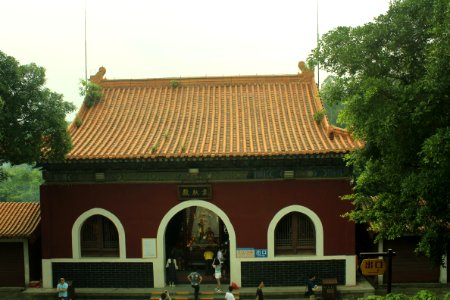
[99, 176]
[288, 174]
[194, 171]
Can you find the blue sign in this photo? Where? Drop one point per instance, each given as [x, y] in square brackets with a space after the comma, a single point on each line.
[260, 252]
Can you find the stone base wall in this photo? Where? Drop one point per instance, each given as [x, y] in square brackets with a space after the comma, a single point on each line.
[291, 273]
[105, 274]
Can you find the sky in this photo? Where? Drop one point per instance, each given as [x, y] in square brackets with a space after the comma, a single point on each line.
[179, 38]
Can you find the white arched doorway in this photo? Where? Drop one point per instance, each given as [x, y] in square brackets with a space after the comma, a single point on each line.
[159, 265]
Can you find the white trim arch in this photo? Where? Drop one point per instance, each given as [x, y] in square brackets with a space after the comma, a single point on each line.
[159, 264]
[76, 231]
[301, 209]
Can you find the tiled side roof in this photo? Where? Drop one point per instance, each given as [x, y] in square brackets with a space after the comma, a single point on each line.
[19, 219]
[205, 117]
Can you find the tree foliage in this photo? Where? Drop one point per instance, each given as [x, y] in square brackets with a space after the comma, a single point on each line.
[329, 97]
[21, 183]
[32, 117]
[393, 79]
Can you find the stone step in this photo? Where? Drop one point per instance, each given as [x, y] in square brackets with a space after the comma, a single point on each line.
[188, 295]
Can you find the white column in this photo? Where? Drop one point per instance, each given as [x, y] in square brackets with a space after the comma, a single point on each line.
[350, 270]
[158, 277]
[47, 277]
[235, 271]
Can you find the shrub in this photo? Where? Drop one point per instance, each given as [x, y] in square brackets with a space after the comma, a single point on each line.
[174, 83]
[78, 121]
[319, 115]
[421, 295]
[396, 297]
[424, 295]
[92, 93]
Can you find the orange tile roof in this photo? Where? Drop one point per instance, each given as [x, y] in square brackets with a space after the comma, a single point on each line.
[19, 219]
[205, 117]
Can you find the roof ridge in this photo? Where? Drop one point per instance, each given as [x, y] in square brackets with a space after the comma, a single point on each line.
[305, 75]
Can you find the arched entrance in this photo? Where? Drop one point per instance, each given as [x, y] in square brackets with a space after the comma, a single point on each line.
[187, 217]
[192, 233]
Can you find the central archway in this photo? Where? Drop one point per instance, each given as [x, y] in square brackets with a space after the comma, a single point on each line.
[160, 264]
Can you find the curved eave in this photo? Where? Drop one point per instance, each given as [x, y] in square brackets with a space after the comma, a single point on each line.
[187, 157]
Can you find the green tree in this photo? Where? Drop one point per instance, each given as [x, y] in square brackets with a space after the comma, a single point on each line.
[32, 117]
[21, 184]
[332, 106]
[393, 80]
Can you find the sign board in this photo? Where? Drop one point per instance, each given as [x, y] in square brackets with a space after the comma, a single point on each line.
[260, 252]
[245, 253]
[373, 266]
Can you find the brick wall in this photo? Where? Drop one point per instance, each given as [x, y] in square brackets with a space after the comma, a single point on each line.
[105, 275]
[291, 273]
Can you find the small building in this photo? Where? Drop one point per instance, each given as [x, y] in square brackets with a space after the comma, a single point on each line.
[176, 166]
[20, 243]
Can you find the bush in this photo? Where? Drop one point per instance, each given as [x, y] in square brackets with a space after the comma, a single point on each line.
[421, 295]
[424, 295]
[92, 93]
[396, 297]
[318, 116]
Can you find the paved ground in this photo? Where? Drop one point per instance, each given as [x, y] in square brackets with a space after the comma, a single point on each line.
[245, 293]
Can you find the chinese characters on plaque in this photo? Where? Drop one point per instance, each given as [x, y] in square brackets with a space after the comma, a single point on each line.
[188, 192]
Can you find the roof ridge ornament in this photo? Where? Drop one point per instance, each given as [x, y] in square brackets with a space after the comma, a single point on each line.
[99, 77]
[305, 71]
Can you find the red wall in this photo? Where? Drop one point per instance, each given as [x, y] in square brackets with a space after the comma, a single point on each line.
[250, 207]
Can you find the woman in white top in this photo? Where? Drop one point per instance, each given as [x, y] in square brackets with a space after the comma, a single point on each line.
[217, 273]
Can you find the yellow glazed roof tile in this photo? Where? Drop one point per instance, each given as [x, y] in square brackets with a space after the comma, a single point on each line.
[19, 219]
[206, 117]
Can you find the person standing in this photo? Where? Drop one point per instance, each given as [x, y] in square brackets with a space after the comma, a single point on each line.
[172, 268]
[221, 257]
[195, 278]
[311, 287]
[208, 255]
[229, 295]
[217, 273]
[62, 288]
[259, 291]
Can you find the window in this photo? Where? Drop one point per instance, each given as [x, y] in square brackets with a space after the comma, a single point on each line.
[99, 237]
[295, 234]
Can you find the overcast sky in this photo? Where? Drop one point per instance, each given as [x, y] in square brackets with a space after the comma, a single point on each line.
[156, 38]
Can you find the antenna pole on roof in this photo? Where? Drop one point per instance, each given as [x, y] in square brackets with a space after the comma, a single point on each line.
[85, 46]
[318, 64]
